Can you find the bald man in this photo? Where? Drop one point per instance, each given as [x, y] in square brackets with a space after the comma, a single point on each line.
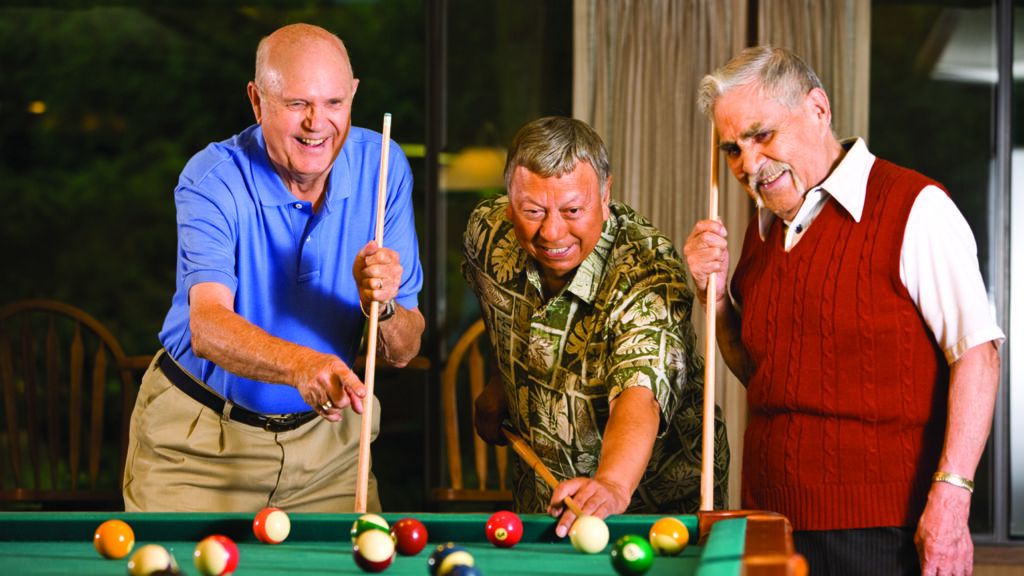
[251, 402]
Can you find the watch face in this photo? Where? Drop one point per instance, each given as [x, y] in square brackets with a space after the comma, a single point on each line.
[388, 311]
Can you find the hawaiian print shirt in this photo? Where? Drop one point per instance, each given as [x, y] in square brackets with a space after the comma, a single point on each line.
[622, 321]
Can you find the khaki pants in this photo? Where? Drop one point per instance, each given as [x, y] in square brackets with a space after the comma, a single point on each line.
[184, 457]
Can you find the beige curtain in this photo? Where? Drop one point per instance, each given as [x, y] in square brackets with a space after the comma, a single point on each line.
[834, 37]
[637, 65]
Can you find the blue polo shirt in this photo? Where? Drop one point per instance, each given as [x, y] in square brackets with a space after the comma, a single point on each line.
[290, 269]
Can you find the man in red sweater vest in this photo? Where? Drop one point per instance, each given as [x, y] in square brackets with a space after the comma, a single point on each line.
[859, 322]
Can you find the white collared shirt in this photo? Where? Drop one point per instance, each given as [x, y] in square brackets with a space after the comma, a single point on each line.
[938, 261]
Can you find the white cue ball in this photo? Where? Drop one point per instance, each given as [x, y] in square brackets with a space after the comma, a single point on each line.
[589, 534]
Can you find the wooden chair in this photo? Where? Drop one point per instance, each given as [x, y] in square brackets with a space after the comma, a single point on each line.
[478, 493]
[67, 393]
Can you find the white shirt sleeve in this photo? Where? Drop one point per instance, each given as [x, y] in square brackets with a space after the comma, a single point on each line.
[939, 267]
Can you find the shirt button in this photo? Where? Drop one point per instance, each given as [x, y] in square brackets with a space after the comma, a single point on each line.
[298, 206]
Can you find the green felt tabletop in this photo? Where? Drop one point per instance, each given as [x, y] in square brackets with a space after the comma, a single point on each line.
[34, 543]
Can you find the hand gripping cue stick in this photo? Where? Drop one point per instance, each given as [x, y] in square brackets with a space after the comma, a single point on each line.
[363, 477]
[707, 472]
[530, 457]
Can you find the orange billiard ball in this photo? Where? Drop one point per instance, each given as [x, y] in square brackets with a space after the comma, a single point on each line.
[114, 539]
[669, 536]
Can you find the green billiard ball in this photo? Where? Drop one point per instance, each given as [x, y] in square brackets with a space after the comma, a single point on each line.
[368, 522]
[632, 555]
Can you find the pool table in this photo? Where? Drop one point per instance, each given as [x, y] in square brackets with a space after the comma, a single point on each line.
[731, 543]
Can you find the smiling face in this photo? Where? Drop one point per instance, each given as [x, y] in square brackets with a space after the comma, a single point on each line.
[777, 152]
[303, 99]
[558, 220]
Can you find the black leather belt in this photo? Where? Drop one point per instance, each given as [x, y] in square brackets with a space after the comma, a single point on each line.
[208, 398]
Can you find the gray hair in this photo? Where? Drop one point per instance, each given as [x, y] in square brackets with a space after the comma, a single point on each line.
[780, 73]
[552, 146]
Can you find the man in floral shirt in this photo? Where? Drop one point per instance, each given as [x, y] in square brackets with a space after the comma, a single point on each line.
[588, 310]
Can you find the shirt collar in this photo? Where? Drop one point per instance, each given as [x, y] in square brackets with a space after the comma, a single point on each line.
[588, 276]
[272, 191]
[847, 183]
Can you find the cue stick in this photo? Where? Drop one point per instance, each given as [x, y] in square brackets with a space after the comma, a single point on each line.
[530, 457]
[363, 477]
[707, 473]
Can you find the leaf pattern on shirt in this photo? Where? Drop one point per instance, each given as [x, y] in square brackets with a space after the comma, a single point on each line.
[541, 353]
[650, 308]
[579, 336]
[562, 427]
[638, 343]
[623, 321]
[504, 259]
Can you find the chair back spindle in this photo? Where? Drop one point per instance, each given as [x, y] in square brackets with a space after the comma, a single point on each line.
[467, 356]
[67, 399]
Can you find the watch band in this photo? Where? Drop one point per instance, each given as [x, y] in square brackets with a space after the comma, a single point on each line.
[955, 480]
[388, 311]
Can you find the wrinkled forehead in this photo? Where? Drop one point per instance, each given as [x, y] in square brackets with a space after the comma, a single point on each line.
[740, 109]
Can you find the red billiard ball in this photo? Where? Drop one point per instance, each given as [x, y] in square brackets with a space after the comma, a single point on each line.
[504, 529]
[271, 526]
[216, 555]
[374, 550]
[410, 536]
[114, 539]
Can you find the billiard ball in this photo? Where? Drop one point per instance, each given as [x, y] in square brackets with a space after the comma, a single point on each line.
[151, 559]
[271, 525]
[368, 522]
[463, 570]
[114, 539]
[374, 550]
[589, 534]
[669, 536]
[632, 555]
[410, 536]
[216, 555]
[504, 529]
[446, 557]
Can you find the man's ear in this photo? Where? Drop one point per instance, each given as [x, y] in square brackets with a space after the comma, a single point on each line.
[817, 102]
[255, 100]
[606, 198]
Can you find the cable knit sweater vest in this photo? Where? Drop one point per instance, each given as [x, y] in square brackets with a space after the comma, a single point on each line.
[848, 400]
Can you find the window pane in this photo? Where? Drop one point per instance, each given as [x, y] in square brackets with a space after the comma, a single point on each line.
[933, 78]
[1017, 271]
[508, 63]
[101, 105]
